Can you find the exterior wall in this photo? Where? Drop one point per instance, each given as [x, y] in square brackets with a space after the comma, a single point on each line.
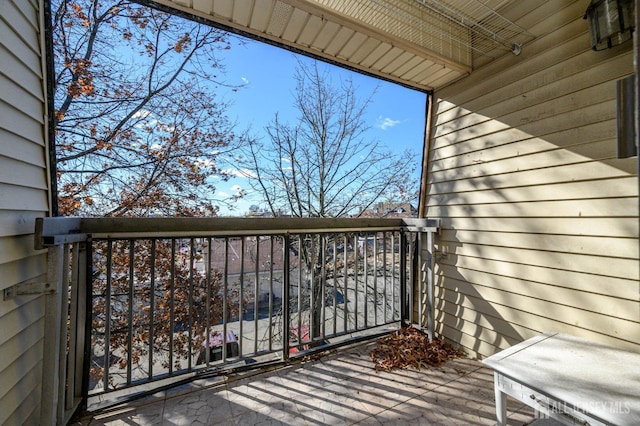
[539, 218]
[23, 197]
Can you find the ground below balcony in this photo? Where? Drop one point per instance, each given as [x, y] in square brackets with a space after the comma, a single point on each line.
[341, 388]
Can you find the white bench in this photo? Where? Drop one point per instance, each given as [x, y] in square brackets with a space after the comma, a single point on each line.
[568, 379]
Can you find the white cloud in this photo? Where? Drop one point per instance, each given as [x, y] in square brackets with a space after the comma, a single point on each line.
[236, 188]
[223, 194]
[245, 80]
[145, 118]
[143, 113]
[242, 173]
[385, 123]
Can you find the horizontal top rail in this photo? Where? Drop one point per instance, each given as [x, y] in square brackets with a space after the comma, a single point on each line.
[58, 230]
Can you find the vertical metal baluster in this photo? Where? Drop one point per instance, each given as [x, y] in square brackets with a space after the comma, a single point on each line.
[286, 281]
[63, 327]
[429, 271]
[365, 254]
[385, 236]
[207, 268]
[241, 312]
[395, 284]
[312, 263]
[299, 288]
[310, 275]
[394, 281]
[225, 292]
[191, 307]
[323, 282]
[223, 349]
[335, 286]
[345, 295]
[404, 315]
[152, 301]
[83, 323]
[130, 312]
[412, 278]
[172, 312]
[356, 251]
[271, 292]
[69, 334]
[375, 279]
[420, 278]
[255, 296]
[107, 317]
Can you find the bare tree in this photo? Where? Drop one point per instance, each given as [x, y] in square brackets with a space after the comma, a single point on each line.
[323, 165]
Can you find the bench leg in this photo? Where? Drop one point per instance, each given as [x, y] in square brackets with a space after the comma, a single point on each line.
[501, 402]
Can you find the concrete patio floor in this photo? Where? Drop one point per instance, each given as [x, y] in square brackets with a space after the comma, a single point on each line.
[341, 388]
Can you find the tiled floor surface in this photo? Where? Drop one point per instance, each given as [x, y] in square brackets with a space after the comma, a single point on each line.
[339, 389]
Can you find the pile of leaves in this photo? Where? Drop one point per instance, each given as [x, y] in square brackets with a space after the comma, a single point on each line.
[410, 347]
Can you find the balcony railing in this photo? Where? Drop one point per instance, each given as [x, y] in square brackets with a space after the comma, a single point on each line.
[146, 303]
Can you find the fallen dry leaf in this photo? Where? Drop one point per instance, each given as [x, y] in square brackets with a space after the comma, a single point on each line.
[410, 347]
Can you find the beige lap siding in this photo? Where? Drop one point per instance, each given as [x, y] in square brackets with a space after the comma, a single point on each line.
[539, 218]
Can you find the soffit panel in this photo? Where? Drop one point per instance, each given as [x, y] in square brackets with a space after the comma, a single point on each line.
[389, 57]
[424, 44]
[339, 41]
[310, 32]
[294, 26]
[327, 35]
[242, 10]
[262, 12]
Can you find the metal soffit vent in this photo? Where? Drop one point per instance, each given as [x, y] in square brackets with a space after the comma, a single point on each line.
[489, 30]
[456, 29]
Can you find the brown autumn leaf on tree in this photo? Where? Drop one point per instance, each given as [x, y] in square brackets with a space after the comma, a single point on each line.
[139, 128]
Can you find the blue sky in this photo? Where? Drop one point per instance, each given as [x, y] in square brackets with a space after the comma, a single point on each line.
[396, 115]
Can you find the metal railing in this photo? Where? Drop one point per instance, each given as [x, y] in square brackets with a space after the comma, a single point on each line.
[176, 298]
[65, 325]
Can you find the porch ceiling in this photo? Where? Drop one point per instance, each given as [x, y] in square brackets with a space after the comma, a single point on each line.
[424, 44]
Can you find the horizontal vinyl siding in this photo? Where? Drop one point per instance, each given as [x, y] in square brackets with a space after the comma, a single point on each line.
[23, 197]
[539, 218]
[17, 222]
